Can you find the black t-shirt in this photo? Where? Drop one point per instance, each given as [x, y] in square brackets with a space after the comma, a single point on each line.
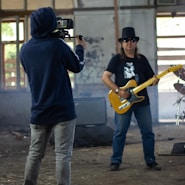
[124, 70]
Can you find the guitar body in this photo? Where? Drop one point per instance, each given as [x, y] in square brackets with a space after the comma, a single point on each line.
[121, 105]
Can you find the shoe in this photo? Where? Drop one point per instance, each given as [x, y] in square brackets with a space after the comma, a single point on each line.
[114, 167]
[154, 166]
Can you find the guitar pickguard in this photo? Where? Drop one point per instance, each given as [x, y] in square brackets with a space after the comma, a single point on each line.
[132, 99]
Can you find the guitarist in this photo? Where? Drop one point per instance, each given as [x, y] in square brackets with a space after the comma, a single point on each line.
[126, 66]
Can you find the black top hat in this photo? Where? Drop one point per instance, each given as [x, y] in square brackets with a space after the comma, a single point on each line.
[128, 32]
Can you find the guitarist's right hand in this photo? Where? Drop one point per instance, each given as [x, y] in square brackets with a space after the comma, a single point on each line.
[124, 93]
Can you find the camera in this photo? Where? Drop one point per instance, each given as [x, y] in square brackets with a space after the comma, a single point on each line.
[63, 25]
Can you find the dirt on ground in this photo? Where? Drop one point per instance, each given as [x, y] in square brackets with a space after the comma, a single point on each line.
[90, 164]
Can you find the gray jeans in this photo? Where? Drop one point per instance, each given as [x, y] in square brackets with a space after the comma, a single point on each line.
[64, 138]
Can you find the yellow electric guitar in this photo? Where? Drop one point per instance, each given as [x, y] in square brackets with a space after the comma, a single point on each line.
[121, 105]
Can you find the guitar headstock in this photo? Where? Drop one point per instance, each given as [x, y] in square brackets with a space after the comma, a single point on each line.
[175, 68]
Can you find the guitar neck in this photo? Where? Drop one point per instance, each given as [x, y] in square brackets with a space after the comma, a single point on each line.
[149, 82]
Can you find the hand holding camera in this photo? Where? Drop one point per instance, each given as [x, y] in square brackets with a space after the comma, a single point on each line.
[80, 41]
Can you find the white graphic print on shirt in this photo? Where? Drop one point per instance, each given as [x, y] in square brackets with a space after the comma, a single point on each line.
[129, 70]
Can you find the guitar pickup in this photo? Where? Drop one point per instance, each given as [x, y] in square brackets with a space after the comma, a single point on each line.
[124, 105]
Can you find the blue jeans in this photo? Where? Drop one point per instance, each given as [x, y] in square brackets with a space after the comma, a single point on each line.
[64, 138]
[144, 120]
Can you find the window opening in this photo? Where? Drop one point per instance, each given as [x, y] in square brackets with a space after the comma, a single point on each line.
[9, 55]
[171, 48]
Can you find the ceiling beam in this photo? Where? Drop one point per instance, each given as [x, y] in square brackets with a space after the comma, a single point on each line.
[23, 13]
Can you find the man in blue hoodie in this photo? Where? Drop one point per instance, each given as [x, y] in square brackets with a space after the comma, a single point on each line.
[46, 61]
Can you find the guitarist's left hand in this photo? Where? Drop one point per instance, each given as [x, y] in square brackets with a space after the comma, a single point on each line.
[156, 80]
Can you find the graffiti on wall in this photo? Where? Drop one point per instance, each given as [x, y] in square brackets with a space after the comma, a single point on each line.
[94, 61]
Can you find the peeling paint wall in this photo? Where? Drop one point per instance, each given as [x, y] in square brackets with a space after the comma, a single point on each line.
[94, 66]
[98, 30]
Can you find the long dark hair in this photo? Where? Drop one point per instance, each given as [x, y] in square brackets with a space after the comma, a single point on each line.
[123, 55]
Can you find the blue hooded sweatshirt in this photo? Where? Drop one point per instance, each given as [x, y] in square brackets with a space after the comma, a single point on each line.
[46, 61]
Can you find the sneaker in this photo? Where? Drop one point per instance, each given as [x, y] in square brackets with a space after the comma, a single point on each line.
[114, 167]
[154, 166]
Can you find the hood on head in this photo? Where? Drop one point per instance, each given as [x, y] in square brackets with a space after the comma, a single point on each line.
[43, 22]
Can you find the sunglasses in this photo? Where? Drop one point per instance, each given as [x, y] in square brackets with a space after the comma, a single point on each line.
[130, 39]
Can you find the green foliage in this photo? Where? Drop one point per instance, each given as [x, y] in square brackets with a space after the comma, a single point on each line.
[8, 32]
[10, 51]
[7, 29]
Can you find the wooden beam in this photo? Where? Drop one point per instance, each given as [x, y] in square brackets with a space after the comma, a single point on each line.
[170, 49]
[23, 13]
[116, 24]
[171, 36]
[180, 57]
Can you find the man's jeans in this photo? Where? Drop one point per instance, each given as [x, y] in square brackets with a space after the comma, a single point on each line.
[144, 120]
[64, 138]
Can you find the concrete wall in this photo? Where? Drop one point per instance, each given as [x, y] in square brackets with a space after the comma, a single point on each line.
[98, 28]
[15, 109]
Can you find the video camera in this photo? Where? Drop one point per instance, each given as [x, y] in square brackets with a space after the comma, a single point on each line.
[63, 25]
